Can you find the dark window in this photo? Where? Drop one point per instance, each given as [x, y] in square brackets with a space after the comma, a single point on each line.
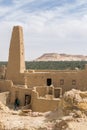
[61, 81]
[49, 82]
[73, 82]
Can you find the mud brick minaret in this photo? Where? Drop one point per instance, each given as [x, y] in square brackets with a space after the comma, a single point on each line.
[16, 62]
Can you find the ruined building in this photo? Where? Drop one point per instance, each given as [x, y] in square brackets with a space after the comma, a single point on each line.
[40, 89]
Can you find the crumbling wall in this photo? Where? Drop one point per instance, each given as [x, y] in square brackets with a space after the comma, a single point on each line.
[4, 97]
[19, 92]
[2, 72]
[5, 85]
[41, 90]
[44, 104]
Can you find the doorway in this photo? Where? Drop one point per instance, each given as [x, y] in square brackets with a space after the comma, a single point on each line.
[57, 93]
[27, 99]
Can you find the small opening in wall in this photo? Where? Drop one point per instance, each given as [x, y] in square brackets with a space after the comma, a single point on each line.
[61, 81]
[27, 99]
[49, 82]
[73, 82]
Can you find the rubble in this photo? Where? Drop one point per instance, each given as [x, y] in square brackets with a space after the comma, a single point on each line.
[75, 98]
[3, 108]
[26, 119]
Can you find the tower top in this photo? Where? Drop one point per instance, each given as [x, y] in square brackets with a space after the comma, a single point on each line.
[17, 26]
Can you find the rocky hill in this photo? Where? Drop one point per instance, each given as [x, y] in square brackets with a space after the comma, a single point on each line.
[61, 57]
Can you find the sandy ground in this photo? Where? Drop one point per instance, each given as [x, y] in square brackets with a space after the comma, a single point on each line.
[15, 120]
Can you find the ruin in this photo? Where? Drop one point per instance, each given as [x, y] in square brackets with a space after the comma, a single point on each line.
[41, 90]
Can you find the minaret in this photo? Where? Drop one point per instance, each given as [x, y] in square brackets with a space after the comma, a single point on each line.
[16, 63]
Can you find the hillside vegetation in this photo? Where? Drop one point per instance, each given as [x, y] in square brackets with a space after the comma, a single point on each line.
[53, 65]
[56, 65]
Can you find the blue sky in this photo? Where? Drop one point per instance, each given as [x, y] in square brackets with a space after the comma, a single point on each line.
[49, 26]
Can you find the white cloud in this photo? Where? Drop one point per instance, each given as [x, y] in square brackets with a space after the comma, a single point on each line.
[61, 29]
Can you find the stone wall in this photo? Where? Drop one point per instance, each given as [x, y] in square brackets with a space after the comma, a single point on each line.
[5, 85]
[44, 104]
[19, 92]
[2, 72]
[4, 97]
[71, 79]
[42, 91]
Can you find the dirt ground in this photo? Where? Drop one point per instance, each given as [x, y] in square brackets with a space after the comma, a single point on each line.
[52, 120]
